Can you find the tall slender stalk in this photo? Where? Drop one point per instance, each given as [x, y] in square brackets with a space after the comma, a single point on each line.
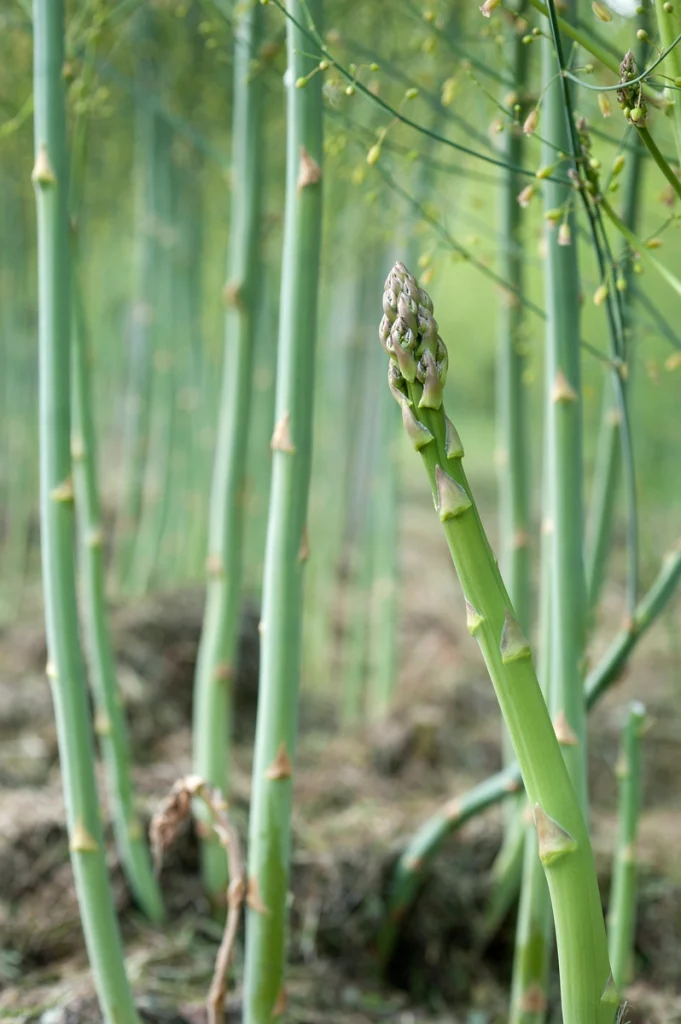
[531, 954]
[110, 719]
[65, 667]
[217, 649]
[564, 430]
[138, 391]
[286, 552]
[607, 469]
[417, 371]
[513, 455]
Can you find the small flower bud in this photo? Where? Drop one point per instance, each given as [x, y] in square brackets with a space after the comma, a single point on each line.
[642, 35]
[545, 172]
[411, 94]
[374, 154]
[527, 40]
[618, 164]
[301, 82]
[601, 11]
[531, 121]
[636, 114]
[525, 197]
[654, 243]
[489, 7]
[324, 65]
[600, 295]
[350, 90]
[554, 216]
[667, 8]
[604, 104]
[374, 66]
[564, 234]
[621, 283]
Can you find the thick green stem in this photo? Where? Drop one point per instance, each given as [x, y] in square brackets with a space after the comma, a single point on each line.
[587, 993]
[426, 842]
[219, 636]
[286, 551]
[622, 909]
[110, 719]
[65, 667]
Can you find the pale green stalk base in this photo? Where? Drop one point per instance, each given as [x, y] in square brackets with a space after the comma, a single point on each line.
[622, 908]
[219, 636]
[287, 544]
[65, 667]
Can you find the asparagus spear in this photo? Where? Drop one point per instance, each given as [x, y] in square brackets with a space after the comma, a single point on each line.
[418, 368]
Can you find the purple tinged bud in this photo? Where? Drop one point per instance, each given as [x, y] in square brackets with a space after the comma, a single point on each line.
[407, 308]
[425, 300]
[390, 305]
[384, 334]
[397, 384]
[432, 388]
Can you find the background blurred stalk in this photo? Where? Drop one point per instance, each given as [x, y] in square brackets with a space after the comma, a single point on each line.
[217, 650]
[622, 906]
[513, 453]
[286, 551]
[110, 723]
[142, 314]
[607, 470]
[534, 926]
[564, 512]
[65, 666]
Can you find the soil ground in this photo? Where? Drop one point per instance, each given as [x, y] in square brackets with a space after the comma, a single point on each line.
[357, 798]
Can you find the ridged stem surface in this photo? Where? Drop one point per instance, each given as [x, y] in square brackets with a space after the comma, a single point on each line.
[65, 668]
[287, 544]
[622, 905]
[217, 649]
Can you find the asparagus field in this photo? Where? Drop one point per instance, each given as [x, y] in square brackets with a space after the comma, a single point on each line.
[293, 731]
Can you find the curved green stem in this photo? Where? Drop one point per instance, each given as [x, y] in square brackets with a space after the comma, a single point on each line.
[659, 158]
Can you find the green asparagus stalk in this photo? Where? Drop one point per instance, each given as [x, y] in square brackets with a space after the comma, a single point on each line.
[425, 844]
[513, 456]
[110, 720]
[417, 370]
[622, 909]
[607, 469]
[65, 666]
[564, 434]
[138, 390]
[110, 724]
[219, 636]
[287, 549]
[534, 925]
